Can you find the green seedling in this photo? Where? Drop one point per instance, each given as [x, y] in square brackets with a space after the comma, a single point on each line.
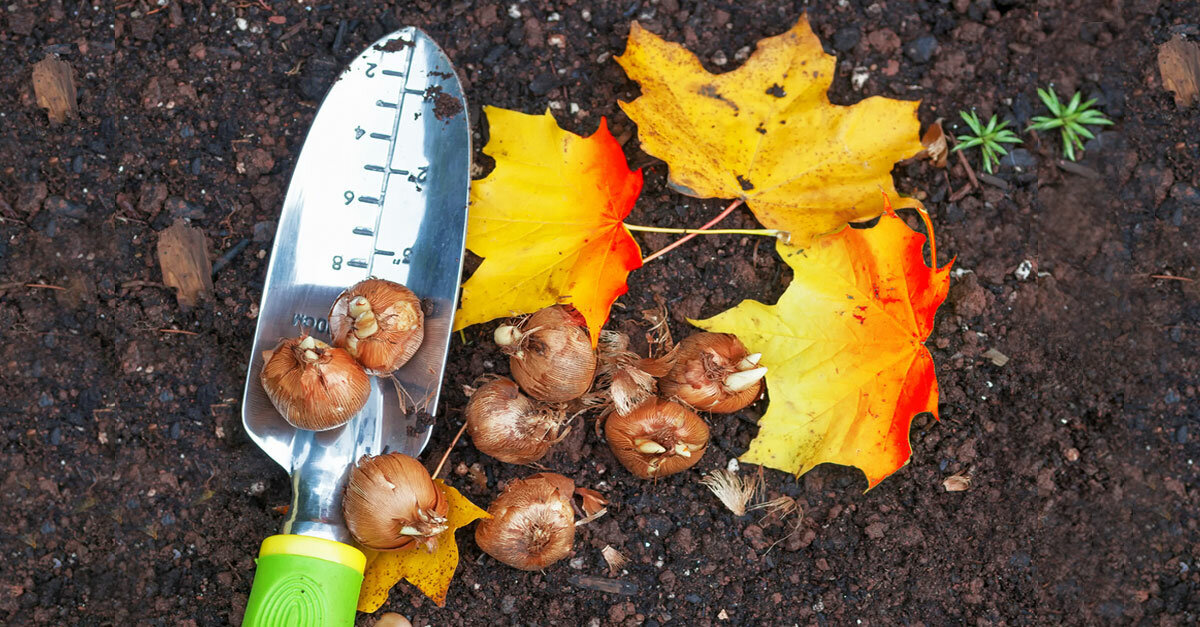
[990, 139]
[1072, 120]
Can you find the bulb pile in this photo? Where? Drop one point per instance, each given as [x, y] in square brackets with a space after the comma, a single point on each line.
[649, 403]
[377, 326]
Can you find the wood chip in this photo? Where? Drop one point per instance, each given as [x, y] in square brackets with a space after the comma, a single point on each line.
[1077, 168]
[996, 356]
[994, 181]
[183, 258]
[54, 87]
[600, 584]
[1179, 67]
[956, 483]
[934, 141]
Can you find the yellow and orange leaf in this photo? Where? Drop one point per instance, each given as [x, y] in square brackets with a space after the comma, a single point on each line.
[767, 133]
[845, 350]
[432, 572]
[548, 222]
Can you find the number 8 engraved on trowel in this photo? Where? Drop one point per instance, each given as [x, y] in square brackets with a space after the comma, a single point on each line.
[321, 325]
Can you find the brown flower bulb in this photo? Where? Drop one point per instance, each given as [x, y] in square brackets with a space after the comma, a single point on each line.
[532, 524]
[379, 322]
[656, 439]
[550, 354]
[314, 386]
[391, 502]
[714, 372]
[505, 424]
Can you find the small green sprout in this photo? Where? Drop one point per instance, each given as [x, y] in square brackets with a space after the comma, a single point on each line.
[989, 139]
[1072, 119]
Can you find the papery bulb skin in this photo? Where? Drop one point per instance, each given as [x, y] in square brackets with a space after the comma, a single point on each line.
[532, 524]
[658, 438]
[379, 322]
[312, 385]
[626, 379]
[713, 372]
[391, 503]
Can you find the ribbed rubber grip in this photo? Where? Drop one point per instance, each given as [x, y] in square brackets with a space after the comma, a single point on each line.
[295, 588]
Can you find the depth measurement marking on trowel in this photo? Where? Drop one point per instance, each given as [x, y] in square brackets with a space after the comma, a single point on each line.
[413, 174]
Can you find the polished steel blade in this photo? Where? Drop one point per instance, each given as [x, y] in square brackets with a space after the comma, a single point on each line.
[379, 189]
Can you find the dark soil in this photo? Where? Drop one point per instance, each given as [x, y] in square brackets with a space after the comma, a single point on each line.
[132, 496]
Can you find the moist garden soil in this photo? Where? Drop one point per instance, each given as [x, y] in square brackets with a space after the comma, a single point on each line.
[131, 494]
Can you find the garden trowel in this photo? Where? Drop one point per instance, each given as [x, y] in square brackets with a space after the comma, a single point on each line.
[380, 189]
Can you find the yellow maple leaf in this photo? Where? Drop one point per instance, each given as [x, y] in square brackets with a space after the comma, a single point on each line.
[547, 222]
[767, 133]
[848, 367]
[432, 572]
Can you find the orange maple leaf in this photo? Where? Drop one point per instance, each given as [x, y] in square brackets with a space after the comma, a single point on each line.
[548, 222]
[848, 367]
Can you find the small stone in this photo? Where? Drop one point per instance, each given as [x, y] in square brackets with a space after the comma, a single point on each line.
[859, 77]
[60, 206]
[1072, 454]
[754, 534]
[180, 208]
[1019, 158]
[884, 41]
[31, 197]
[876, 530]
[921, 49]
[1181, 434]
[543, 83]
[682, 542]
[846, 38]
[1023, 270]
[1186, 194]
[508, 604]
[264, 231]
[151, 198]
[719, 59]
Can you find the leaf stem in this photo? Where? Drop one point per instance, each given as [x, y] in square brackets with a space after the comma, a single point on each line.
[448, 449]
[659, 229]
[932, 241]
[694, 232]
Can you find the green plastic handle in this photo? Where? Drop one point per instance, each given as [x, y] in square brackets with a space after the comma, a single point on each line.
[302, 581]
